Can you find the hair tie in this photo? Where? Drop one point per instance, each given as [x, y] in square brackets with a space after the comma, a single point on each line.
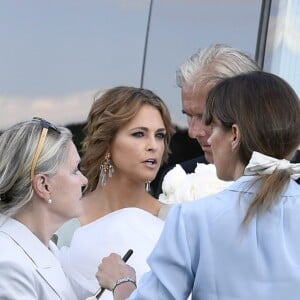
[261, 164]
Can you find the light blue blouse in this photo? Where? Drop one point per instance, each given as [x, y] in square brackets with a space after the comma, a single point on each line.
[204, 249]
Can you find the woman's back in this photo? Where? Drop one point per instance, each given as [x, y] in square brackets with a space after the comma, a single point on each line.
[220, 258]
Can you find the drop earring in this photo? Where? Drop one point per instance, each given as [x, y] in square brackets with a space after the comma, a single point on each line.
[49, 201]
[147, 186]
[106, 168]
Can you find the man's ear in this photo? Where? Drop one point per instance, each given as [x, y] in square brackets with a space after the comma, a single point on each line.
[40, 186]
[236, 137]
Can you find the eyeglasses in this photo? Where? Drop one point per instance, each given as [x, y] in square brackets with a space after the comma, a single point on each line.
[46, 126]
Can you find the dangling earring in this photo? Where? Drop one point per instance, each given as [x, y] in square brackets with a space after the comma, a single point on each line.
[49, 201]
[147, 186]
[106, 168]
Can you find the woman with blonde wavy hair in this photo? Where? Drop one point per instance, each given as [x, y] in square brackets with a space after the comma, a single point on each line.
[127, 138]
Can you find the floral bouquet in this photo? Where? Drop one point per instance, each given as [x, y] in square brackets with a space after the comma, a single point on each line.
[178, 186]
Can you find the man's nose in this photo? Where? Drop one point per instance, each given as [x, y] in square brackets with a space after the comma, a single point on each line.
[196, 128]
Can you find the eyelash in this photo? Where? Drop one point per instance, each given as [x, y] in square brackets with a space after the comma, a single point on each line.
[161, 135]
[139, 134]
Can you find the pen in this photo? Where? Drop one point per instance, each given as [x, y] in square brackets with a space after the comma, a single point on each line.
[124, 258]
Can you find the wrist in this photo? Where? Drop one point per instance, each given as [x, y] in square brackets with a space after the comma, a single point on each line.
[123, 280]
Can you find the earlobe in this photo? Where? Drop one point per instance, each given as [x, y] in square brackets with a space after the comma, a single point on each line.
[236, 137]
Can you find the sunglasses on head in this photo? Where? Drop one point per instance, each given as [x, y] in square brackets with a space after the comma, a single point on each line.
[45, 127]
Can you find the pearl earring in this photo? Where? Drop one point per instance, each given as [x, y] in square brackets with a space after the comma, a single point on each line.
[49, 201]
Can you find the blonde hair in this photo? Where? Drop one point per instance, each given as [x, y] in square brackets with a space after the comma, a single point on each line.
[112, 110]
[17, 148]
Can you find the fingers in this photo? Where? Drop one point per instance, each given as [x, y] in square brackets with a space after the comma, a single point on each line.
[111, 269]
[112, 259]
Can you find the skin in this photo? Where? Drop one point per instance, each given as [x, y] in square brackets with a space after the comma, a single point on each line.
[224, 146]
[65, 188]
[65, 191]
[193, 103]
[140, 140]
[113, 267]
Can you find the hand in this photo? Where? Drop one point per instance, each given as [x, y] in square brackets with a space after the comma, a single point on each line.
[111, 269]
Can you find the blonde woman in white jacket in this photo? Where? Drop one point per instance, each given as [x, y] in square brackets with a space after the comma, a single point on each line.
[40, 189]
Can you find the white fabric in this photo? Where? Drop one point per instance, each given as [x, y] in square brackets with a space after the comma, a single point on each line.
[128, 228]
[65, 232]
[28, 270]
[261, 164]
[204, 249]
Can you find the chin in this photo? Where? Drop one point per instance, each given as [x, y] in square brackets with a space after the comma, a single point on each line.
[221, 177]
[149, 179]
[209, 157]
[224, 177]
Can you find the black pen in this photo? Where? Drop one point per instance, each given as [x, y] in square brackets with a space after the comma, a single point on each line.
[125, 258]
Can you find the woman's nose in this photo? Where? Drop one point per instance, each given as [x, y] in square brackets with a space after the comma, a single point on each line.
[151, 144]
[84, 180]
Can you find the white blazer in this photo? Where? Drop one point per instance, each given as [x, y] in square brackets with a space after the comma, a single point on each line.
[28, 269]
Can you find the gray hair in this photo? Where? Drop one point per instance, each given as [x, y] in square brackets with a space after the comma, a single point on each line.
[17, 148]
[210, 65]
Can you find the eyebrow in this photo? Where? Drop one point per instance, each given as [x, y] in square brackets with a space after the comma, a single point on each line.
[147, 129]
[192, 115]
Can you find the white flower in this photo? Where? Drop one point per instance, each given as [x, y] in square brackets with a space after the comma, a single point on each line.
[179, 187]
[174, 178]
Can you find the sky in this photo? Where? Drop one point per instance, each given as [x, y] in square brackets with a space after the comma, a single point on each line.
[57, 54]
[283, 43]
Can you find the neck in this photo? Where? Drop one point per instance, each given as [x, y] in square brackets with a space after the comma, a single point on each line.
[104, 200]
[239, 171]
[38, 222]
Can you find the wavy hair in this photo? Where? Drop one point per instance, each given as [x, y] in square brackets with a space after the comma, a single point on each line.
[110, 112]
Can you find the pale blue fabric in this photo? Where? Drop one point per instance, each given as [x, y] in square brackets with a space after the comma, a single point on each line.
[205, 250]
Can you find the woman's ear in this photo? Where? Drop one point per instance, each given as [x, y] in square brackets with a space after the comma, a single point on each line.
[40, 186]
[236, 137]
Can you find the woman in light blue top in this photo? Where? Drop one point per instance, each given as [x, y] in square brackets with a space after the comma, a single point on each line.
[242, 243]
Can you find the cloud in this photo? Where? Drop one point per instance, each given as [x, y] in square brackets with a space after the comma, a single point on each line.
[72, 108]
